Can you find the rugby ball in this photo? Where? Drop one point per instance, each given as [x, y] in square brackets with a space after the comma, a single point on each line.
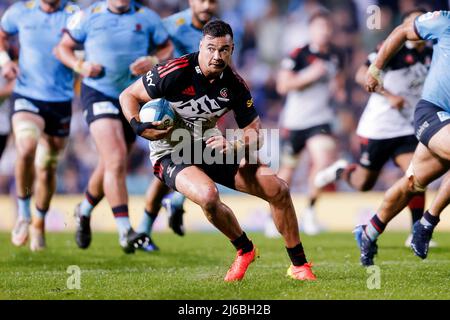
[158, 110]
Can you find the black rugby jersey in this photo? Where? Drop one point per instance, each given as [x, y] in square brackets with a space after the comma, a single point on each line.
[181, 82]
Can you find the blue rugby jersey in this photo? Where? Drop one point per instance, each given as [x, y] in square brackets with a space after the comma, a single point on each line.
[435, 26]
[42, 76]
[115, 41]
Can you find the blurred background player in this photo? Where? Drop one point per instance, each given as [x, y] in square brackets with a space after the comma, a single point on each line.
[6, 88]
[118, 36]
[208, 72]
[386, 128]
[432, 126]
[185, 32]
[41, 105]
[306, 78]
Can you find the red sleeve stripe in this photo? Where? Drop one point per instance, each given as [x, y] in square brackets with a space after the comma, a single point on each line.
[171, 64]
[166, 72]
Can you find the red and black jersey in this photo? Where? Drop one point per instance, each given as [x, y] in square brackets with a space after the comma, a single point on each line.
[303, 57]
[181, 82]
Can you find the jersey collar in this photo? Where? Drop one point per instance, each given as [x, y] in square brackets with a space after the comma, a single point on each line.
[62, 5]
[132, 8]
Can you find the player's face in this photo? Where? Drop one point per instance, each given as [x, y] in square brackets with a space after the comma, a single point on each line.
[119, 5]
[51, 2]
[215, 54]
[321, 31]
[203, 10]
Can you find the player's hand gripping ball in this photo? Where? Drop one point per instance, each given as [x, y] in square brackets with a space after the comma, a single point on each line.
[158, 110]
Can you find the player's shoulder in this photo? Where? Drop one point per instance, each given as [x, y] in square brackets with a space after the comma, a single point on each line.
[434, 15]
[71, 8]
[299, 51]
[97, 8]
[22, 6]
[235, 80]
[173, 22]
[177, 67]
[145, 12]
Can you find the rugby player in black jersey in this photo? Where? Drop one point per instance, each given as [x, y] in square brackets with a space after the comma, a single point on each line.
[201, 87]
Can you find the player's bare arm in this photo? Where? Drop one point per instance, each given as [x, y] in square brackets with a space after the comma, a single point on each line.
[396, 101]
[144, 64]
[393, 43]
[65, 52]
[251, 139]
[288, 80]
[130, 100]
[9, 68]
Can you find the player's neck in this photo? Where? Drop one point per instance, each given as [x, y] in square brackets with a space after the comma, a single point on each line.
[120, 10]
[197, 23]
[50, 8]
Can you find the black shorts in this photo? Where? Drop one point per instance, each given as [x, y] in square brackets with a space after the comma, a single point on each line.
[166, 171]
[96, 106]
[428, 120]
[294, 141]
[376, 152]
[56, 115]
[3, 141]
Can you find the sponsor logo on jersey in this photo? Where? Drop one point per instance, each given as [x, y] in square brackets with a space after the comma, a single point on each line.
[189, 91]
[138, 27]
[149, 79]
[180, 21]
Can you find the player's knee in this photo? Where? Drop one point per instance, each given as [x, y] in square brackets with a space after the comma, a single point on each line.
[363, 185]
[209, 199]
[46, 159]
[116, 164]
[278, 192]
[413, 183]
[27, 135]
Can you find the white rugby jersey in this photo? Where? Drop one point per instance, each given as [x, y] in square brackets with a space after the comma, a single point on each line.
[310, 106]
[405, 76]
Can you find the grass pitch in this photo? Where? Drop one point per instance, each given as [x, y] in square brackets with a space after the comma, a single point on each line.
[193, 267]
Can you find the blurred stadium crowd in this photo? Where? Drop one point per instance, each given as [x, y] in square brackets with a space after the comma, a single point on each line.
[265, 32]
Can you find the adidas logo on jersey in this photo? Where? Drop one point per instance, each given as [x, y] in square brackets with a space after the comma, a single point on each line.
[189, 91]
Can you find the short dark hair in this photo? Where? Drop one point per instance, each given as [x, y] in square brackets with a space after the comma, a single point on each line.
[410, 12]
[217, 28]
[319, 14]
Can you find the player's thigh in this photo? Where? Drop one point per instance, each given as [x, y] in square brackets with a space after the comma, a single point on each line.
[196, 185]
[109, 138]
[426, 166]
[322, 149]
[259, 180]
[404, 160]
[27, 128]
[440, 143]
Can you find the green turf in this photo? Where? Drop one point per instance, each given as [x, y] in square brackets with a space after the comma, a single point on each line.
[193, 268]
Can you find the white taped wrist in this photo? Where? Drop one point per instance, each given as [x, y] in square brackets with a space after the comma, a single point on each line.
[4, 58]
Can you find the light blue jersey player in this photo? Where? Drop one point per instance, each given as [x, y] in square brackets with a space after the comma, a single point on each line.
[118, 37]
[185, 32]
[432, 127]
[41, 106]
